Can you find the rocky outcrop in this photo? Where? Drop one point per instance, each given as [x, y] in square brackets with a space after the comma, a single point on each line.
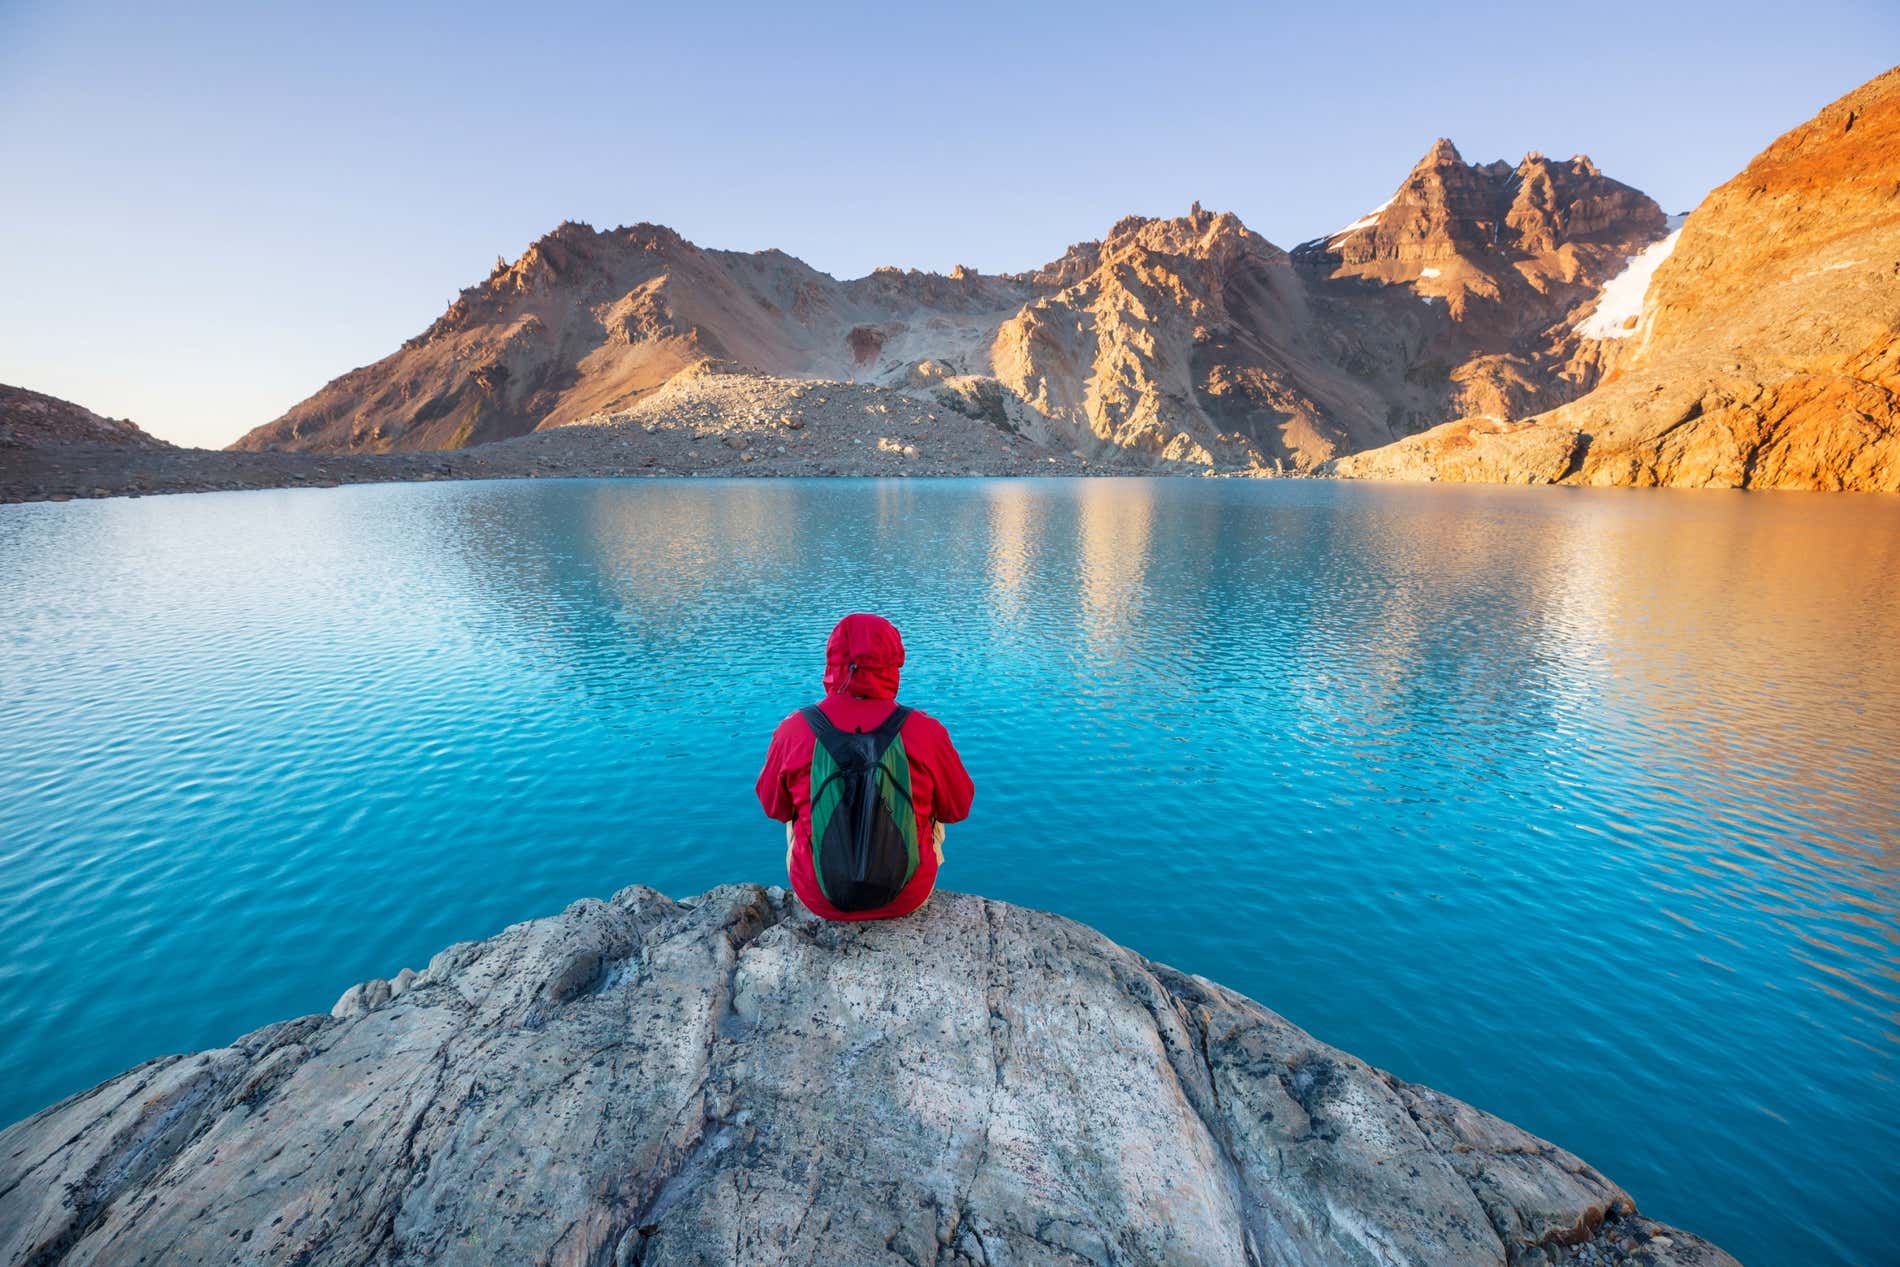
[729, 1080]
[1451, 210]
[1185, 340]
[34, 420]
[1462, 294]
[1767, 350]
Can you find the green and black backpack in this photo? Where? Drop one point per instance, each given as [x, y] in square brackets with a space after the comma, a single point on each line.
[863, 829]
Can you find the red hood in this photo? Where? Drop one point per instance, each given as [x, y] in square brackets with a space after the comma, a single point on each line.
[862, 657]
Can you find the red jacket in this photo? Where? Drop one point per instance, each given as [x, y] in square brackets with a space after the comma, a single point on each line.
[862, 659]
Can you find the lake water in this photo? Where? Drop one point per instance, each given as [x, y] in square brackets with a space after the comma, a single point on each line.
[1581, 805]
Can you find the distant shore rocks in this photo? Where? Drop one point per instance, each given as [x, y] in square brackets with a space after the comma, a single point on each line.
[728, 1079]
[714, 421]
[34, 420]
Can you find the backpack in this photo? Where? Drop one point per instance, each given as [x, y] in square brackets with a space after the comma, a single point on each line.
[863, 829]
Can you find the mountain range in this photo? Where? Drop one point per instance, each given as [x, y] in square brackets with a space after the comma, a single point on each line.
[1533, 322]
[1186, 340]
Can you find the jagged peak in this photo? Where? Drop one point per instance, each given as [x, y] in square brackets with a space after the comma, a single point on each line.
[891, 278]
[1447, 206]
[1537, 160]
[1200, 233]
[893, 273]
[573, 240]
[647, 236]
[1198, 221]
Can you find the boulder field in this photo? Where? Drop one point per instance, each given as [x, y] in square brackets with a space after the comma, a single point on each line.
[729, 1080]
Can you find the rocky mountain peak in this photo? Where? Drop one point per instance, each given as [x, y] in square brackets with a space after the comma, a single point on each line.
[1200, 234]
[1445, 207]
[572, 258]
[1449, 209]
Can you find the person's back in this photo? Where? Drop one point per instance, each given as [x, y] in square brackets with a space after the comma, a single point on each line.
[888, 776]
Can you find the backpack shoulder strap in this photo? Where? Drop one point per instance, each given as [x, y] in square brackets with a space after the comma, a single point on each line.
[823, 729]
[888, 728]
[820, 724]
[834, 740]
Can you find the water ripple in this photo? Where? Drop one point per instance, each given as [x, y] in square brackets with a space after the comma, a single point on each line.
[1579, 804]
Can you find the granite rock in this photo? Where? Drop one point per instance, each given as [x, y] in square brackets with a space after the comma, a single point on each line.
[728, 1079]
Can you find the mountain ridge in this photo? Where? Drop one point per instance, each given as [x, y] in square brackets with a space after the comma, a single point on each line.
[1185, 339]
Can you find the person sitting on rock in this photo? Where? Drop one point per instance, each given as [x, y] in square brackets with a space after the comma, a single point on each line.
[861, 782]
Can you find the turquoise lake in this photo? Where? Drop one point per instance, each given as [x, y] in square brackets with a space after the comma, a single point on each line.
[1581, 805]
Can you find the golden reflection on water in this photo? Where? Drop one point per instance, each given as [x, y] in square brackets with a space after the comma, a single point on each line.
[1635, 597]
[1114, 529]
[1808, 617]
[1015, 520]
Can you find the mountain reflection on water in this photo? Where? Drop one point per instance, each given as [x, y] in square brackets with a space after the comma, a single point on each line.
[1582, 805]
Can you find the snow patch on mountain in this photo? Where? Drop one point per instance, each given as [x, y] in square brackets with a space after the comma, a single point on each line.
[1622, 298]
[1366, 221]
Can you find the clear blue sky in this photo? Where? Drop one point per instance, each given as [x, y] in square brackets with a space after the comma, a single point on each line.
[209, 210]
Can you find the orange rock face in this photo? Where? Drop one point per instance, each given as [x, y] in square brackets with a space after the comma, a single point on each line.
[1767, 354]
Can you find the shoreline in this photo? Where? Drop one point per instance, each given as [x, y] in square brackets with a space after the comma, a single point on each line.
[81, 474]
[92, 474]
